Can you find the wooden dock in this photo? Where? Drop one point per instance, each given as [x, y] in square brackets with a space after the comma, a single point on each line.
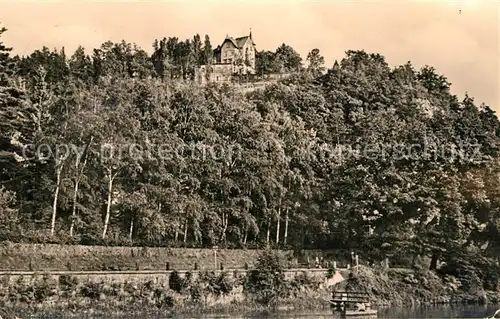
[343, 296]
[352, 304]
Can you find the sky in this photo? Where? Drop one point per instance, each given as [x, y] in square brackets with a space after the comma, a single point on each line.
[461, 39]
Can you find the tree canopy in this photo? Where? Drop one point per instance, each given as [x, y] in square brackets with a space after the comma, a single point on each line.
[114, 147]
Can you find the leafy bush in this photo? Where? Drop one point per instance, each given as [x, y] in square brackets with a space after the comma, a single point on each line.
[266, 283]
[188, 280]
[330, 273]
[92, 290]
[67, 283]
[196, 292]
[175, 282]
[43, 289]
[161, 298]
[217, 285]
[474, 272]
[307, 281]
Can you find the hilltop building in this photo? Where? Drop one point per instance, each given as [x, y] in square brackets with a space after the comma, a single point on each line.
[234, 57]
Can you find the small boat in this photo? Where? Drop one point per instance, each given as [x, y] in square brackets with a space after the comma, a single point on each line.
[352, 304]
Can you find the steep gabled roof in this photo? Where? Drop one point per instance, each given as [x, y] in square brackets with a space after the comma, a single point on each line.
[230, 39]
[238, 42]
[241, 41]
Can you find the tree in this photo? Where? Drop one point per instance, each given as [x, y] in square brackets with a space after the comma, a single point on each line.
[54, 62]
[267, 282]
[9, 215]
[314, 160]
[160, 58]
[265, 63]
[80, 66]
[208, 56]
[208, 53]
[197, 50]
[140, 65]
[288, 59]
[15, 113]
[316, 62]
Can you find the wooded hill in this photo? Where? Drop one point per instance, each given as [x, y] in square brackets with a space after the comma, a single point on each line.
[272, 172]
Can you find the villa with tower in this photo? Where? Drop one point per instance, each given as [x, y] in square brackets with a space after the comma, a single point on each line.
[232, 58]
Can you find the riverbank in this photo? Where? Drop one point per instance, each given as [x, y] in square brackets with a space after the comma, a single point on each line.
[417, 287]
[224, 293]
[207, 293]
[265, 287]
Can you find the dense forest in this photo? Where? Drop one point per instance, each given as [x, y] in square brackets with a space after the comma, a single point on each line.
[120, 147]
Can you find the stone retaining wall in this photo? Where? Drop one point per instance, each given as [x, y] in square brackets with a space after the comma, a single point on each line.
[143, 276]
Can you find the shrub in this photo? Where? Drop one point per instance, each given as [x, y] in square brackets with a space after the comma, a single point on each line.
[196, 292]
[217, 285]
[465, 272]
[188, 280]
[302, 281]
[330, 273]
[162, 299]
[91, 290]
[266, 283]
[307, 281]
[175, 282]
[67, 283]
[43, 289]
[224, 284]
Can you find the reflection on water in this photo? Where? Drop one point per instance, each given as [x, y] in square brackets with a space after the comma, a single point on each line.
[448, 311]
[451, 311]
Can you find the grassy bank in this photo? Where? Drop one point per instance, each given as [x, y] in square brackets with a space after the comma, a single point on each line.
[414, 287]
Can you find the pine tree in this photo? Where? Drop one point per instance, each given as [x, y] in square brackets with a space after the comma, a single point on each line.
[16, 130]
[15, 118]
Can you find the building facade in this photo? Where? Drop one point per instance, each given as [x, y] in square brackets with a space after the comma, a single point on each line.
[234, 57]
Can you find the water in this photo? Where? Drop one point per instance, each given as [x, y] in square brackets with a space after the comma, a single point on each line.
[447, 311]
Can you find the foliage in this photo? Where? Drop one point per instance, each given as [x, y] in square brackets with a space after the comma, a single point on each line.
[303, 281]
[92, 289]
[375, 159]
[316, 62]
[330, 272]
[67, 283]
[176, 282]
[266, 283]
[217, 285]
[474, 274]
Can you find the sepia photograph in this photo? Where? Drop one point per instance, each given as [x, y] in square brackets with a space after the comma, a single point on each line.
[249, 159]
